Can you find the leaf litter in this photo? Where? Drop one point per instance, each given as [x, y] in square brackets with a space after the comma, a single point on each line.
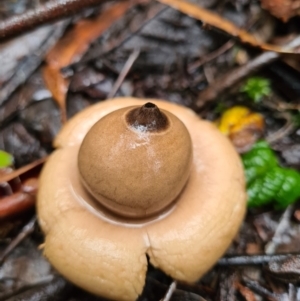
[72, 46]
[264, 229]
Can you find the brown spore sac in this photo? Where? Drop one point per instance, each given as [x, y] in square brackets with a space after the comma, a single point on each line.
[136, 174]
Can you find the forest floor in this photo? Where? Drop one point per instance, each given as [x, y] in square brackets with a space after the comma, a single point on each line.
[210, 56]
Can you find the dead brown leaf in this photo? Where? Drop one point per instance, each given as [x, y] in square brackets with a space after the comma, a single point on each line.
[282, 9]
[72, 46]
[246, 292]
[212, 19]
[242, 126]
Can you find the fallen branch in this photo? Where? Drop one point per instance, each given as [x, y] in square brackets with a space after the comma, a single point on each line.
[50, 11]
[233, 76]
[230, 78]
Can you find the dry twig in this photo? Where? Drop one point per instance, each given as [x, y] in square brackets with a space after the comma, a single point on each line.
[233, 76]
[282, 132]
[27, 230]
[170, 291]
[282, 227]
[132, 58]
[50, 11]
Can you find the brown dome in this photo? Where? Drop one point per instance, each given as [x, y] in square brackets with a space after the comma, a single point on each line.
[136, 160]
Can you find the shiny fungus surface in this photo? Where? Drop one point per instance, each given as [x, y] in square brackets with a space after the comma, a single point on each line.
[132, 177]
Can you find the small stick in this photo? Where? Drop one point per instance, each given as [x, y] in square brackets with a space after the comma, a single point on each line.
[27, 230]
[283, 225]
[252, 259]
[100, 51]
[283, 131]
[132, 58]
[170, 291]
[211, 56]
[233, 76]
[256, 287]
[18, 172]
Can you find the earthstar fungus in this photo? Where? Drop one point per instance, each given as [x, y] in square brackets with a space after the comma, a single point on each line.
[133, 177]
